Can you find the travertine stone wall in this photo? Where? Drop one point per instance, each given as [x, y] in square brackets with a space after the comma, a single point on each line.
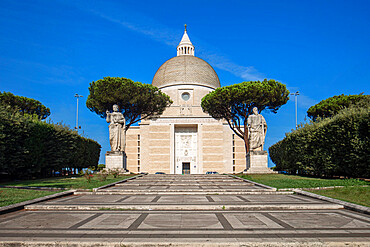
[240, 161]
[132, 146]
[159, 149]
[227, 148]
[212, 148]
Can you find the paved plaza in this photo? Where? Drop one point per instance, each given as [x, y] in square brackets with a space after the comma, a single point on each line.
[186, 210]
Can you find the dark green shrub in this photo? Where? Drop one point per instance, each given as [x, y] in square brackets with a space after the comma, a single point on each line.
[33, 148]
[333, 146]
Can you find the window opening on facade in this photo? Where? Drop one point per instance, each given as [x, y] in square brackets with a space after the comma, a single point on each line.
[233, 137]
[185, 96]
[138, 153]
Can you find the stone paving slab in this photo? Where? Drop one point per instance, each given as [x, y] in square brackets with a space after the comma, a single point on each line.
[180, 183]
[188, 189]
[182, 199]
[313, 225]
[179, 192]
[127, 242]
[184, 202]
[185, 207]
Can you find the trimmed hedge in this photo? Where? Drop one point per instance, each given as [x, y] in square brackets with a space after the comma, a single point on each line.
[337, 146]
[33, 148]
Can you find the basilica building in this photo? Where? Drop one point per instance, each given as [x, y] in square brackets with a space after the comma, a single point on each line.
[184, 139]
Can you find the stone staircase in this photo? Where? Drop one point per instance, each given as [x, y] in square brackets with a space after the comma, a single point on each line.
[185, 210]
[186, 192]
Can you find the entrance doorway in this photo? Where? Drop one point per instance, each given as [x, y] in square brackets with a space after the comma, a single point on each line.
[185, 149]
[186, 168]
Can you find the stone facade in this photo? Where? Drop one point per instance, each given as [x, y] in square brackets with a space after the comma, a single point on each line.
[184, 139]
[181, 148]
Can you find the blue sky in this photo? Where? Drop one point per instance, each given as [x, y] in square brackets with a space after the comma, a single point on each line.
[50, 50]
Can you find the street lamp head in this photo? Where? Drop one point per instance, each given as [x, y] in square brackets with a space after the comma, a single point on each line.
[295, 94]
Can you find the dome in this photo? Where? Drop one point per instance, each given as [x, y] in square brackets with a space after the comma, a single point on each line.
[184, 69]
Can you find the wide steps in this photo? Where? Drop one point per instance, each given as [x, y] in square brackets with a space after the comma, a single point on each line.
[117, 192]
[186, 207]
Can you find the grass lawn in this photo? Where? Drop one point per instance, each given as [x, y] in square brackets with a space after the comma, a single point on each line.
[69, 182]
[10, 196]
[292, 181]
[358, 195]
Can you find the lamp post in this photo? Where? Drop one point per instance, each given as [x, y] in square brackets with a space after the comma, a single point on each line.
[296, 107]
[77, 127]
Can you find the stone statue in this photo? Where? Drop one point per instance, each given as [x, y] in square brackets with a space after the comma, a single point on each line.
[257, 130]
[117, 133]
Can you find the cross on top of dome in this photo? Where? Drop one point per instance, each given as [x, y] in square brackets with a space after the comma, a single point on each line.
[185, 47]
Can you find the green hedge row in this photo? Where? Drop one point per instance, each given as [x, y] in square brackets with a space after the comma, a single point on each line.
[337, 146]
[33, 148]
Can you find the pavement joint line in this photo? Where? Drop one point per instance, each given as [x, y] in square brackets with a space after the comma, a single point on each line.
[83, 222]
[224, 222]
[72, 197]
[122, 181]
[298, 198]
[156, 199]
[123, 198]
[138, 221]
[354, 217]
[22, 205]
[21, 214]
[277, 221]
[346, 205]
[243, 198]
[210, 199]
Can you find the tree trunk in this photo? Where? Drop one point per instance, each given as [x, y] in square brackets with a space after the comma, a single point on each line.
[246, 141]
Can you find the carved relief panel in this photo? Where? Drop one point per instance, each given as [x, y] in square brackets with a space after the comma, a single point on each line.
[185, 150]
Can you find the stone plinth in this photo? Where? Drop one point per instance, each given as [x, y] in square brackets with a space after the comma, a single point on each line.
[257, 162]
[116, 160]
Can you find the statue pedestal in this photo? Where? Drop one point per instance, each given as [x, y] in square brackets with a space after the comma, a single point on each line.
[257, 163]
[116, 160]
